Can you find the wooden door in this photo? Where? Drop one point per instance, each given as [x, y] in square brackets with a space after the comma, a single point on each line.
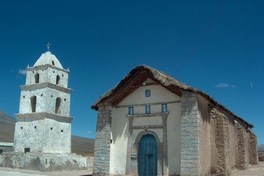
[148, 156]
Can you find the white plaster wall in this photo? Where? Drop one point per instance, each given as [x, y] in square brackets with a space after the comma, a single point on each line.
[27, 136]
[47, 74]
[46, 101]
[37, 135]
[57, 137]
[174, 137]
[158, 95]
[156, 120]
[118, 148]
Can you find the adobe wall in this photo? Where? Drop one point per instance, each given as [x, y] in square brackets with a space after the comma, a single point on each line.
[205, 136]
[225, 143]
[233, 144]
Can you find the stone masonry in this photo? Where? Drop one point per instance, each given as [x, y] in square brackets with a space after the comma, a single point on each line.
[190, 139]
[253, 154]
[241, 135]
[102, 141]
[221, 133]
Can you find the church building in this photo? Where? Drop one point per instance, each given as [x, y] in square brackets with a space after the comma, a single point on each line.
[151, 124]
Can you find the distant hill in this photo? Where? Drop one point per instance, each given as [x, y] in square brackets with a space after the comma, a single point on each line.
[261, 147]
[80, 145]
[7, 127]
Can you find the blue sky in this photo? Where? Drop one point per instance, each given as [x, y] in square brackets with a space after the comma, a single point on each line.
[101, 41]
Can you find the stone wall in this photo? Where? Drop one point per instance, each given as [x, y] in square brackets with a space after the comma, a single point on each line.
[241, 142]
[102, 141]
[43, 161]
[221, 149]
[253, 149]
[190, 138]
[233, 143]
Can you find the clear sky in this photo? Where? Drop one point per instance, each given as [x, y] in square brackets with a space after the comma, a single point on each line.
[101, 41]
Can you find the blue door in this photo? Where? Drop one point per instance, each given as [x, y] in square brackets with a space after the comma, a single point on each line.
[148, 156]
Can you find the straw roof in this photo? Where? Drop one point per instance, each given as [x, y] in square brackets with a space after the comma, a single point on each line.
[138, 75]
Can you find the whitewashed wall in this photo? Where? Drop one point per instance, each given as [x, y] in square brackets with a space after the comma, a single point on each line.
[120, 124]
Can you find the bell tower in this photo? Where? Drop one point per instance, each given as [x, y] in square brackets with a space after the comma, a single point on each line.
[44, 122]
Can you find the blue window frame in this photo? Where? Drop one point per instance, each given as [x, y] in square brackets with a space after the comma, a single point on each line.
[147, 93]
[131, 110]
[164, 108]
[147, 109]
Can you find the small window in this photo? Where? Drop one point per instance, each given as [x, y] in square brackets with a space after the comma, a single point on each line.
[33, 101]
[61, 130]
[51, 128]
[57, 79]
[147, 109]
[131, 110]
[147, 93]
[26, 150]
[52, 62]
[37, 78]
[58, 104]
[164, 108]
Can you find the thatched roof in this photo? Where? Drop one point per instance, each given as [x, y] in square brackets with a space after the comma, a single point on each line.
[139, 74]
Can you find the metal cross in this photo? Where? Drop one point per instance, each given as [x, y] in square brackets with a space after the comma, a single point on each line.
[48, 45]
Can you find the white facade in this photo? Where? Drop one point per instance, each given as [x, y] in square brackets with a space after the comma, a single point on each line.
[44, 122]
[120, 126]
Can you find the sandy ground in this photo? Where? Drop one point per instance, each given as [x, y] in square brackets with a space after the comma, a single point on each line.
[256, 170]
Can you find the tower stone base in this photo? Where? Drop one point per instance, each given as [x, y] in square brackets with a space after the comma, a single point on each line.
[43, 161]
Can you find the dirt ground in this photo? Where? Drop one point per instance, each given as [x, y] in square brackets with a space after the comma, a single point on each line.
[19, 172]
[255, 170]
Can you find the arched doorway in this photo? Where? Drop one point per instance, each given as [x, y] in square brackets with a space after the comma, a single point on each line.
[148, 156]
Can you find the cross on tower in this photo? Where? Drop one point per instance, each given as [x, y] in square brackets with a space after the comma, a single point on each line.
[48, 45]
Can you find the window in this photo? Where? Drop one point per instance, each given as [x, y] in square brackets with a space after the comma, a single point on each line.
[37, 78]
[58, 103]
[33, 101]
[52, 62]
[164, 108]
[147, 93]
[131, 110]
[57, 79]
[26, 150]
[147, 109]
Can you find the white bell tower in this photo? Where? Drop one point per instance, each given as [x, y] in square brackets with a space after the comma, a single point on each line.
[43, 122]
